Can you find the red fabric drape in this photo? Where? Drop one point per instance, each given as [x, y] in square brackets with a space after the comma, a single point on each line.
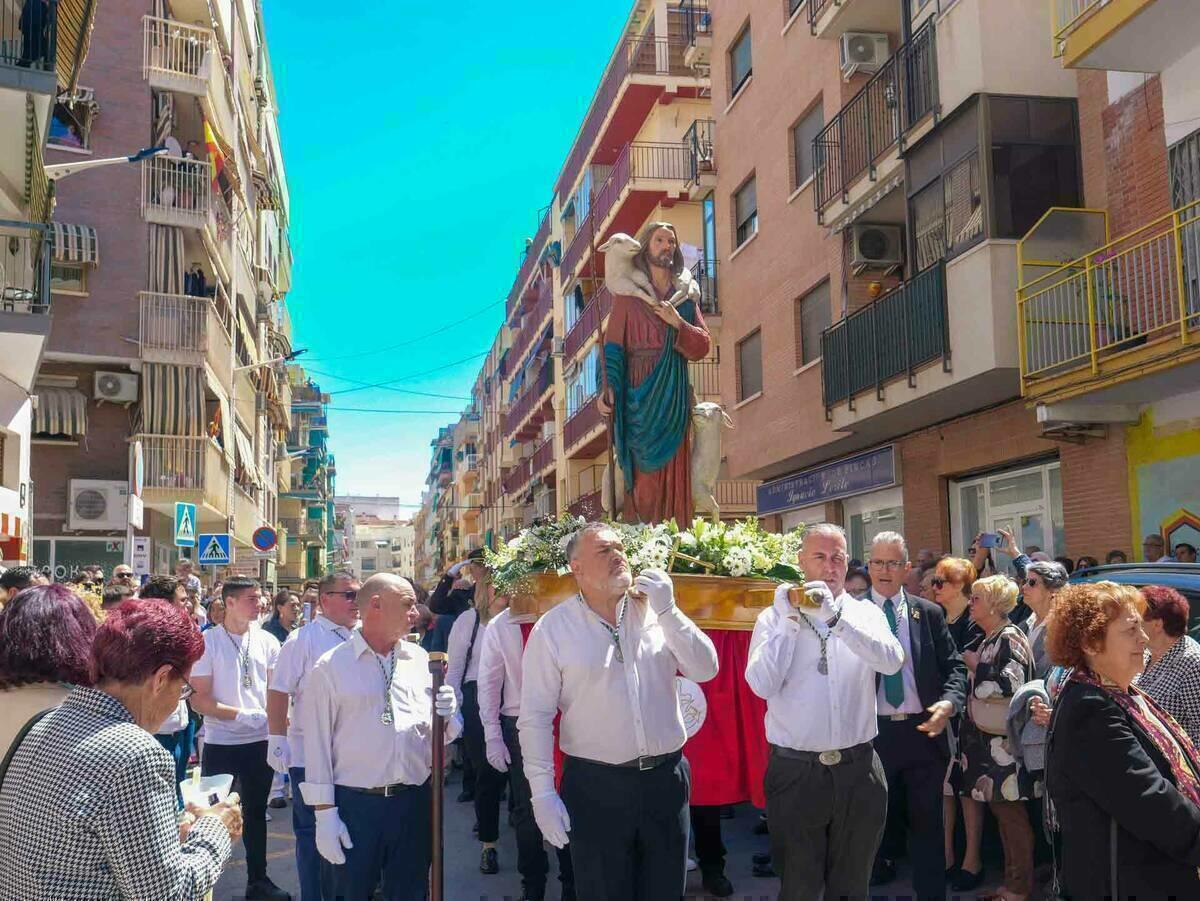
[559, 757]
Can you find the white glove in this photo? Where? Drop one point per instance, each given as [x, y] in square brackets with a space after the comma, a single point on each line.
[446, 702]
[332, 835]
[830, 606]
[656, 586]
[783, 603]
[456, 568]
[251, 718]
[279, 753]
[497, 755]
[552, 819]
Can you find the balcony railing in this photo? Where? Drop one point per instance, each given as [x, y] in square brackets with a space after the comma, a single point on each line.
[177, 56]
[589, 506]
[889, 338]
[736, 493]
[581, 423]
[531, 324]
[637, 162]
[518, 477]
[895, 99]
[176, 191]
[1067, 14]
[699, 142]
[642, 55]
[697, 20]
[705, 273]
[530, 397]
[29, 35]
[24, 267]
[532, 252]
[1138, 291]
[705, 376]
[180, 326]
[588, 322]
[191, 466]
[816, 8]
[543, 456]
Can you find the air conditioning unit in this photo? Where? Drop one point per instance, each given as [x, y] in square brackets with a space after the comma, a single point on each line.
[97, 505]
[556, 347]
[863, 52]
[876, 246]
[116, 387]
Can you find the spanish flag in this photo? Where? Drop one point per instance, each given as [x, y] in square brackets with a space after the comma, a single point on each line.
[216, 159]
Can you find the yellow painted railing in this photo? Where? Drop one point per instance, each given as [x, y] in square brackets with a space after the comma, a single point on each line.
[1065, 15]
[1139, 288]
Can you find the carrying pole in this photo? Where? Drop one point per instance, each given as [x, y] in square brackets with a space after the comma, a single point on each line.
[437, 668]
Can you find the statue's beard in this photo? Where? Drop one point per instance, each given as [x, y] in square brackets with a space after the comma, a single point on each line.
[664, 261]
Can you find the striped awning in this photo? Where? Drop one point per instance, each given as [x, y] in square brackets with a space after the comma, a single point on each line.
[75, 244]
[74, 36]
[60, 411]
[245, 456]
[173, 399]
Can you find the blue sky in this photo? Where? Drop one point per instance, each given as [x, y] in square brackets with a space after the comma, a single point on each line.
[420, 141]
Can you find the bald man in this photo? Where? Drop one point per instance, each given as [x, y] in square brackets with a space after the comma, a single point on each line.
[368, 717]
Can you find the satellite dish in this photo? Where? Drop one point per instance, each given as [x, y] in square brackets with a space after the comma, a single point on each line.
[173, 147]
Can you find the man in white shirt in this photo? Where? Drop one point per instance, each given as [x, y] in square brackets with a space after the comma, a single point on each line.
[231, 693]
[499, 706]
[607, 659]
[338, 592]
[367, 727]
[815, 667]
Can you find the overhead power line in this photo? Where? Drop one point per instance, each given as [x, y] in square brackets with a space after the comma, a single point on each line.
[412, 341]
[363, 386]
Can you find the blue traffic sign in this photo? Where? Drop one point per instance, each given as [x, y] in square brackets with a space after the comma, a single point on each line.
[264, 539]
[213, 550]
[185, 525]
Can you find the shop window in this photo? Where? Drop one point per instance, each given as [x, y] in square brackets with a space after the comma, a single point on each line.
[740, 61]
[863, 527]
[804, 133]
[745, 212]
[749, 365]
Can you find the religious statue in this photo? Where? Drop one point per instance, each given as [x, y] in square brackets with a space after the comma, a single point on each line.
[650, 338]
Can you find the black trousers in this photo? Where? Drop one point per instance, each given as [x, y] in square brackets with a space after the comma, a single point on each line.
[826, 822]
[706, 832]
[252, 781]
[532, 862]
[628, 829]
[915, 766]
[488, 782]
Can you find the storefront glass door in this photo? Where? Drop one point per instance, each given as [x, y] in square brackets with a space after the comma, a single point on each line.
[1026, 502]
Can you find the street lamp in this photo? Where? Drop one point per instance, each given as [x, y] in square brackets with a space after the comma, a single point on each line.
[59, 171]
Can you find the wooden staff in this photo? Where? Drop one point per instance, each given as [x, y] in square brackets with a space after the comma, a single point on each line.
[437, 668]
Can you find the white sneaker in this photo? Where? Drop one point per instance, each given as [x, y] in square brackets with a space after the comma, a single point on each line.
[692, 866]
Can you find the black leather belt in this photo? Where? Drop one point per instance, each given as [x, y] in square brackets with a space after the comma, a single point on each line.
[828, 758]
[638, 763]
[386, 791]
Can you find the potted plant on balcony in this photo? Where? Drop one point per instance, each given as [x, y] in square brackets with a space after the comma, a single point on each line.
[1114, 329]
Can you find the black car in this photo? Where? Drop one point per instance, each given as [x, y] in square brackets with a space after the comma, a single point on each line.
[1183, 577]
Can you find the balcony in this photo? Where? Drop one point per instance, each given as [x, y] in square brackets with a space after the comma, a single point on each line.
[584, 433]
[586, 492]
[184, 330]
[28, 56]
[699, 141]
[1118, 322]
[533, 322]
[532, 253]
[176, 56]
[177, 191]
[705, 376]
[643, 175]
[1129, 36]
[588, 323]
[867, 135]
[525, 418]
[518, 477]
[737, 497]
[697, 33]
[705, 274]
[830, 19]
[543, 458]
[189, 469]
[24, 299]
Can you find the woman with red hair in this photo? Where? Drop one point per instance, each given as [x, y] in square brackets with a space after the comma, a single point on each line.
[87, 805]
[1172, 678]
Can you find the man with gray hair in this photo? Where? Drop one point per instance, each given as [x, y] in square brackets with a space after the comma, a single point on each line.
[914, 707]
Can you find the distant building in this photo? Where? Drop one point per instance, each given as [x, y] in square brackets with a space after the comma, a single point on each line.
[381, 545]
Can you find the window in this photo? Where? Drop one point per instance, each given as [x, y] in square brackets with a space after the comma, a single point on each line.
[740, 62]
[749, 365]
[72, 118]
[368, 564]
[745, 212]
[813, 316]
[804, 133]
[68, 278]
[792, 6]
[947, 216]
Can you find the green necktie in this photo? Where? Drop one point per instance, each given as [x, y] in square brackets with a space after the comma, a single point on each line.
[893, 685]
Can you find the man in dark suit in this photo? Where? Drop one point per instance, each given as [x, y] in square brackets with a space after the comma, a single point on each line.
[914, 707]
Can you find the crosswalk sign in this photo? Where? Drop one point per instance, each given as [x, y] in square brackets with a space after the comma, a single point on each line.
[213, 550]
[185, 525]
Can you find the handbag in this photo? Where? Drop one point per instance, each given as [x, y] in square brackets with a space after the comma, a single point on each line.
[989, 715]
[16, 742]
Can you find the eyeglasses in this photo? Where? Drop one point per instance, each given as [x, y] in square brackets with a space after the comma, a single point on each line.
[123, 575]
[887, 564]
[1032, 583]
[348, 595]
[186, 691]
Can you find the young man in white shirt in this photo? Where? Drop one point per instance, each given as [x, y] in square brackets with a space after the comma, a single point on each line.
[231, 693]
[815, 667]
[607, 659]
[338, 593]
[367, 721]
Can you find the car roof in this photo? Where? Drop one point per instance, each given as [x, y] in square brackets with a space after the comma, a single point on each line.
[1183, 577]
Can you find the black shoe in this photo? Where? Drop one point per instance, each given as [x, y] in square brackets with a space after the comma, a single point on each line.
[760, 828]
[528, 894]
[763, 859]
[716, 883]
[464, 796]
[277, 803]
[489, 863]
[883, 873]
[967, 881]
[265, 890]
[763, 871]
[951, 874]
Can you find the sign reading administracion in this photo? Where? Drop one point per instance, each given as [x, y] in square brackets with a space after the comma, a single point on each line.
[854, 475]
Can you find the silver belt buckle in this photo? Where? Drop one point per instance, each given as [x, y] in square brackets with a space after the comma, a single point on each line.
[830, 758]
[898, 717]
[644, 764]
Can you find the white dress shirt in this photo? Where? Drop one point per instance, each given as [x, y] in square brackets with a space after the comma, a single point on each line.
[499, 674]
[345, 740]
[912, 698]
[456, 649]
[808, 711]
[222, 660]
[612, 712]
[176, 721]
[299, 654]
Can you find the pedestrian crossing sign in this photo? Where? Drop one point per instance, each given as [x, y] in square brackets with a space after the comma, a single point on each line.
[185, 525]
[214, 550]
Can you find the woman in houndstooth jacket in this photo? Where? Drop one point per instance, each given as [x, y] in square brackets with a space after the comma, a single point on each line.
[87, 805]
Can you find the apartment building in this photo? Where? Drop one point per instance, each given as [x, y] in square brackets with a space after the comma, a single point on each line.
[438, 537]
[1109, 303]
[381, 545]
[306, 500]
[879, 162]
[40, 60]
[166, 362]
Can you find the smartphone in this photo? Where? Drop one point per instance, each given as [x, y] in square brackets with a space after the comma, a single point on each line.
[989, 540]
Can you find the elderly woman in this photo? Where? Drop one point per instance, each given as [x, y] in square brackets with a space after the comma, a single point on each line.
[1043, 580]
[87, 808]
[1172, 678]
[1122, 773]
[46, 637]
[1000, 666]
[216, 614]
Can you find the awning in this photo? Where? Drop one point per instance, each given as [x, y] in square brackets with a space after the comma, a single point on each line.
[245, 456]
[264, 191]
[173, 399]
[75, 244]
[60, 411]
[74, 35]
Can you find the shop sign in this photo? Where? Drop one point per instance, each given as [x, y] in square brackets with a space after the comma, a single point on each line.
[868, 471]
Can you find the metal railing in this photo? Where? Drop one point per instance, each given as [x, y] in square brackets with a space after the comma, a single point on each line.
[24, 267]
[699, 141]
[29, 35]
[532, 253]
[579, 425]
[816, 9]
[532, 324]
[173, 462]
[184, 324]
[705, 274]
[588, 322]
[1140, 288]
[589, 506]
[736, 493]
[697, 20]
[176, 191]
[705, 376]
[530, 398]
[1066, 15]
[518, 476]
[543, 456]
[895, 98]
[177, 56]
[888, 338]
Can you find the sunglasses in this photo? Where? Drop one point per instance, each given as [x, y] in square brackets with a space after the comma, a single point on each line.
[938, 582]
[1032, 583]
[348, 595]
